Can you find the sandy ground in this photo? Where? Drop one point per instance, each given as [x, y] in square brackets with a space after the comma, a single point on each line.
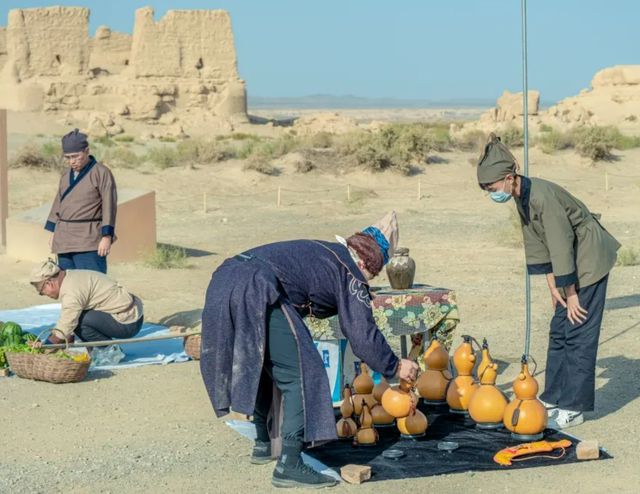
[153, 430]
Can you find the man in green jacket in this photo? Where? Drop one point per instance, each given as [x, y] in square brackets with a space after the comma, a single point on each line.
[567, 243]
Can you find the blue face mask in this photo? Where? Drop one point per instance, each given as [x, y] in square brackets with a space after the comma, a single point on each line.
[500, 196]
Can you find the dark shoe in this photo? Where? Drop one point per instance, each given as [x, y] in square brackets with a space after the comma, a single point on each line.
[291, 471]
[261, 454]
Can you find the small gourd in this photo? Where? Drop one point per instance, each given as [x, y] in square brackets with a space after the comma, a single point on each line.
[363, 384]
[463, 386]
[366, 434]
[346, 426]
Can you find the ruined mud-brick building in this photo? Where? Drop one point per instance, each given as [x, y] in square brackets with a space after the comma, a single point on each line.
[180, 68]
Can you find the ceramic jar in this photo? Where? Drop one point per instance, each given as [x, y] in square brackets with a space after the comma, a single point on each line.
[401, 270]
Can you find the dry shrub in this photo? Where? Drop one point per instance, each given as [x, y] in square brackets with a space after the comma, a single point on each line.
[472, 140]
[260, 163]
[124, 138]
[398, 147]
[162, 156]
[512, 137]
[202, 151]
[595, 142]
[120, 157]
[628, 256]
[319, 140]
[550, 140]
[47, 157]
[168, 257]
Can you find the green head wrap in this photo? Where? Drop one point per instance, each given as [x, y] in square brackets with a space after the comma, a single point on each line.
[496, 162]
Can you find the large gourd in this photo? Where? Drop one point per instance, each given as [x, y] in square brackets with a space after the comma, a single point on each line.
[525, 416]
[379, 389]
[346, 426]
[433, 382]
[399, 400]
[413, 425]
[488, 403]
[463, 386]
[381, 418]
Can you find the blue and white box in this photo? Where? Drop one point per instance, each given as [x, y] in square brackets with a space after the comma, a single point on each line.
[332, 353]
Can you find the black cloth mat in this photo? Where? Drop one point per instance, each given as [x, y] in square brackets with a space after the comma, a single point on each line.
[423, 458]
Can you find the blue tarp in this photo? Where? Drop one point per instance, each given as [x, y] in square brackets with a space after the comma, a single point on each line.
[39, 318]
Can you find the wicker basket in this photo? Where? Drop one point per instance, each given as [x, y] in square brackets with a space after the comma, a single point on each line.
[192, 346]
[21, 363]
[56, 370]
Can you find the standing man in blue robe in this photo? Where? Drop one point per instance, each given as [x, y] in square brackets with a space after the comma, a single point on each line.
[83, 215]
[253, 336]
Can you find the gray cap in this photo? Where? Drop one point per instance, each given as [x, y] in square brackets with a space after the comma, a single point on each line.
[74, 142]
[496, 162]
[44, 271]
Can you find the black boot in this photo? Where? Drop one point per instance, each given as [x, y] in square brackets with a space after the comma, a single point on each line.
[261, 454]
[291, 471]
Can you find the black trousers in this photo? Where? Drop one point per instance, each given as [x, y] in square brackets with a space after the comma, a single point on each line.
[571, 358]
[94, 325]
[282, 368]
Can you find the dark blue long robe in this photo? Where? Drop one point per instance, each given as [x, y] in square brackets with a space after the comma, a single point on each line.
[302, 277]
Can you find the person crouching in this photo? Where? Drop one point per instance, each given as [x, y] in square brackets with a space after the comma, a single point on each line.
[93, 306]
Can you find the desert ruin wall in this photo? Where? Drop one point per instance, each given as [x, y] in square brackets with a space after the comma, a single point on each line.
[183, 65]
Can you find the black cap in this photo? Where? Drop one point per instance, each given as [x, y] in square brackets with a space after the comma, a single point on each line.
[74, 142]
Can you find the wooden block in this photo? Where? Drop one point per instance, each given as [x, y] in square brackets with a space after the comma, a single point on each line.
[4, 372]
[355, 474]
[588, 450]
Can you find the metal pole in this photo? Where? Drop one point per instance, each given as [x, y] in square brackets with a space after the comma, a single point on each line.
[90, 344]
[525, 128]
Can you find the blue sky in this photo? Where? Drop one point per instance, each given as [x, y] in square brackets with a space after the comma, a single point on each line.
[419, 49]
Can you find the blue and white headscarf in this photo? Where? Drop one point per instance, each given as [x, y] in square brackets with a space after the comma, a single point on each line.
[380, 239]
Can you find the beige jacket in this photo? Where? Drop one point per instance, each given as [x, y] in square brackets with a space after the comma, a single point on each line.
[83, 290]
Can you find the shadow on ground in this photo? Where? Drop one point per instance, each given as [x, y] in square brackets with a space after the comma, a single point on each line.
[624, 302]
[188, 318]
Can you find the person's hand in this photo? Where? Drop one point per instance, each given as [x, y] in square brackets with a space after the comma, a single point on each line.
[104, 247]
[34, 343]
[556, 298]
[407, 370]
[575, 312]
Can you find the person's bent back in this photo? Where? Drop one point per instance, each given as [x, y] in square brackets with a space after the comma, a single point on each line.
[94, 307]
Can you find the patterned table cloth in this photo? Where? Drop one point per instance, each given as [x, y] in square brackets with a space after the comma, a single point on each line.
[415, 311]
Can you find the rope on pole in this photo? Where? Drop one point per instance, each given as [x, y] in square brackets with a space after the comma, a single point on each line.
[525, 128]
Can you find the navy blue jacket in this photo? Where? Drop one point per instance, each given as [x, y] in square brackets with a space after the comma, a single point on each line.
[302, 277]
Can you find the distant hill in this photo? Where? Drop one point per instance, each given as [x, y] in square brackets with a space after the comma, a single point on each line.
[329, 101]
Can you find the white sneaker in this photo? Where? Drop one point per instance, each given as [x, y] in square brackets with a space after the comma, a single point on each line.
[564, 419]
[550, 408]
